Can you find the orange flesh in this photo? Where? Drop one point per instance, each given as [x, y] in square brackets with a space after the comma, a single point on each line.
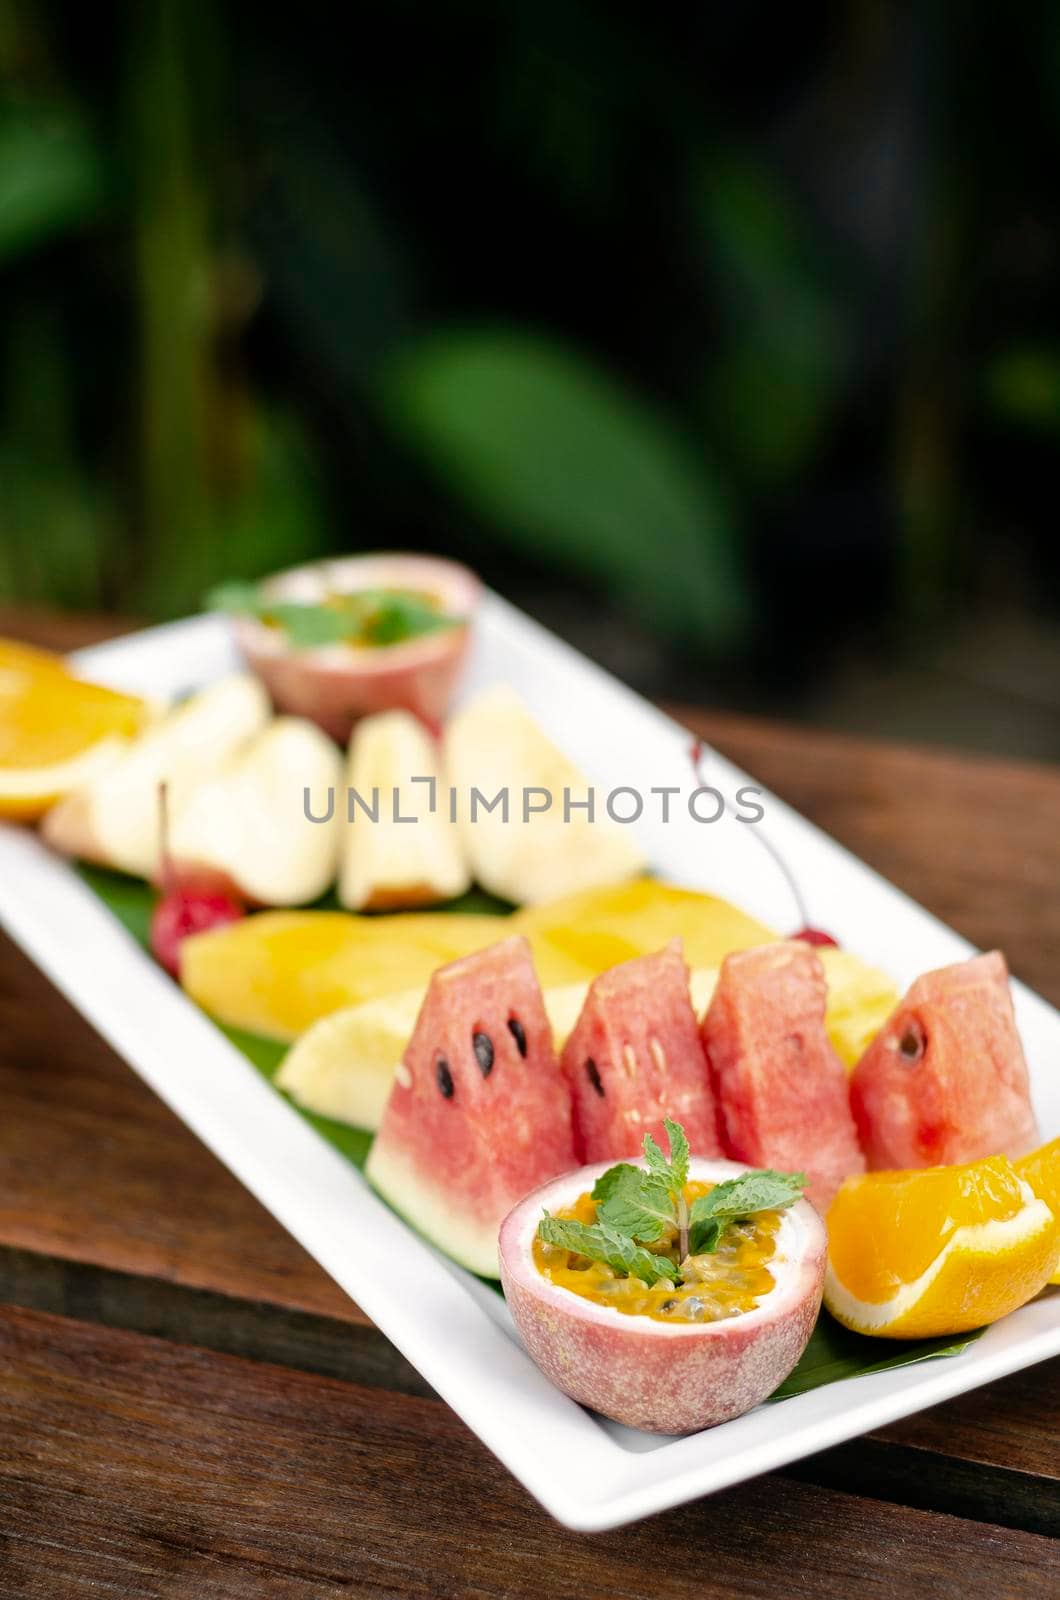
[47, 716]
[886, 1229]
[732, 1279]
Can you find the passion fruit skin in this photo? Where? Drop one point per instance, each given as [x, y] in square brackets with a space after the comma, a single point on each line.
[663, 1377]
[335, 685]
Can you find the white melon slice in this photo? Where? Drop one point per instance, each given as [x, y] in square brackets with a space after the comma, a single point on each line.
[248, 820]
[531, 854]
[388, 864]
[113, 820]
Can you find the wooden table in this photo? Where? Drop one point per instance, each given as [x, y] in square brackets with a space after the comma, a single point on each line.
[191, 1408]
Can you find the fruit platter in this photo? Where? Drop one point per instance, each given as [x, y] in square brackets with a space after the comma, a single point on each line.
[666, 1140]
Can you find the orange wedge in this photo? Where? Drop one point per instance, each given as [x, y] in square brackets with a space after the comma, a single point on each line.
[1041, 1169]
[913, 1255]
[56, 731]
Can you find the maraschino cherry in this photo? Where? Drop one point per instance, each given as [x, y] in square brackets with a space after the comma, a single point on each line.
[192, 901]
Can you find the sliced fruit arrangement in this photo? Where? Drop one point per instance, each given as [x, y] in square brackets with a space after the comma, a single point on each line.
[669, 1294]
[343, 1065]
[937, 1251]
[279, 974]
[479, 1112]
[780, 1087]
[945, 1080]
[113, 820]
[541, 848]
[634, 1058]
[400, 848]
[56, 731]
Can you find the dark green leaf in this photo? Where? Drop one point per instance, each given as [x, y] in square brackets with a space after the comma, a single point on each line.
[703, 1235]
[834, 1353]
[601, 1243]
[572, 466]
[51, 176]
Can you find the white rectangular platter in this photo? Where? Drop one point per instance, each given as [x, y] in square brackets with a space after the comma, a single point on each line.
[589, 1474]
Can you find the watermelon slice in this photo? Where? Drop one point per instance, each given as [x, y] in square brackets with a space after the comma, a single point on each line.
[781, 1089]
[945, 1080]
[479, 1113]
[635, 1058]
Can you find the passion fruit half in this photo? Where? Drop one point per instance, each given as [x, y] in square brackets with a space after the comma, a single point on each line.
[663, 1373]
[336, 684]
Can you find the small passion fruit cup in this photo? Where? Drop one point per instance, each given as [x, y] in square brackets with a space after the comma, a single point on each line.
[664, 1377]
[336, 684]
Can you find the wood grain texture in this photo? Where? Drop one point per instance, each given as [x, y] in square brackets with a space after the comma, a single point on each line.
[95, 1168]
[142, 1469]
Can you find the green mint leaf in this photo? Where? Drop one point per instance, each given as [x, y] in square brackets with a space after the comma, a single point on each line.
[672, 1170]
[234, 596]
[637, 1204]
[601, 1243]
[703, 1235]
[678, 1154]
[610, 1180]
[751, 1192]
[308, 627]
[389, 617]
[739, 1197]
[364, 617]
[658, 1165]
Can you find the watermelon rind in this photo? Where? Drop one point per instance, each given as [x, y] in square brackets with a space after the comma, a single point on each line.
[423, 1204]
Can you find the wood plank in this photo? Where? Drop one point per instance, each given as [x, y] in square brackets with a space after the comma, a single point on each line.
[93, 1167]
[990, 1456]
[136, 1468]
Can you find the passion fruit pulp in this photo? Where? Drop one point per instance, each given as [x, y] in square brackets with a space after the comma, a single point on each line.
[727, 1282]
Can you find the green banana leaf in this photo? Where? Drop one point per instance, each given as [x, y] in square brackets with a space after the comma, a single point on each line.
[833, 1352]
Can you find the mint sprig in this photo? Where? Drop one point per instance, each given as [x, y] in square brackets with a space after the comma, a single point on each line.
[639, 1206]
[736, 1198]
[363, 617]
[598, 1242]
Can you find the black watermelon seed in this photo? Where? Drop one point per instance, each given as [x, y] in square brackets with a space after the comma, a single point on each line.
[592, 1072]
[482, 1045]
[445, 1078]
[518, 1033]
[911, 1044]
[669, 1305]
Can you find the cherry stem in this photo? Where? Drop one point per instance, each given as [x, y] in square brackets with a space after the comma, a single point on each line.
[698, 753]
[169, 877]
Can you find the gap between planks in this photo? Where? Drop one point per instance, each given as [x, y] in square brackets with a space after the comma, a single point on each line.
[885, 1468]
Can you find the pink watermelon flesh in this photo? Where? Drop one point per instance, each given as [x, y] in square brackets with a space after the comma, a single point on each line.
[945, 1080]
[781, 1089]
[479, 1113]
[635, 1058]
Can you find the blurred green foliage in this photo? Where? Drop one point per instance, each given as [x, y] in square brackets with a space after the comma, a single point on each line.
[711, 312]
